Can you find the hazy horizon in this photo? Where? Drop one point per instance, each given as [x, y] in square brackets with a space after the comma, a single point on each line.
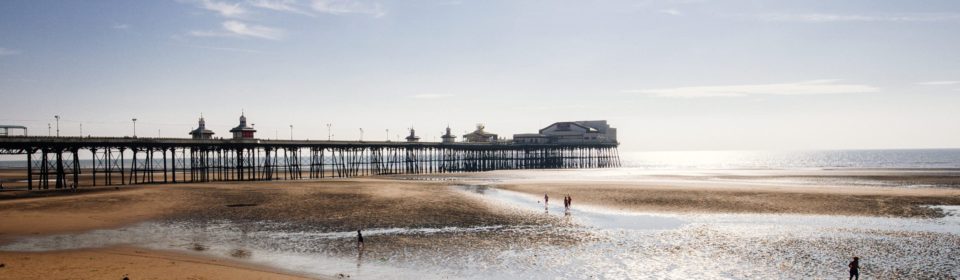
[670, 75]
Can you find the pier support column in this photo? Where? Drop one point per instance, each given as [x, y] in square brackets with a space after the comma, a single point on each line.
[76, 168]
[30, 169]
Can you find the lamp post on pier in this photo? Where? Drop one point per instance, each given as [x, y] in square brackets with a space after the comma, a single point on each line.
[291, 132]
[58, 124]
[388, 135]
[134, 127]
[328, 131]
[361, 134]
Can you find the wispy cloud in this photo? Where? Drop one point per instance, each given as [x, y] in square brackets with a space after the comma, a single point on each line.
[672, 12]
[6, 52]
[824, 18]
[225, 9]
[814, 87]
[432, 96]
[222, 49]
[232, 28]
[290, 6]
[258, 31]
[938, 83]
[339, 7]
[450, 3]
[121, 26]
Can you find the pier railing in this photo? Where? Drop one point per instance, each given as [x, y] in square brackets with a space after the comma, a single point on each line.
[55, 161]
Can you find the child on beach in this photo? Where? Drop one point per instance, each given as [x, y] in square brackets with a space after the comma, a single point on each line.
[359, 240]
[855, 268]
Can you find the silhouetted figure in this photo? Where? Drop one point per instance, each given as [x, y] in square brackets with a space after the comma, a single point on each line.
[569, 201]
[359, 240]
[546, 199]
[855, 268]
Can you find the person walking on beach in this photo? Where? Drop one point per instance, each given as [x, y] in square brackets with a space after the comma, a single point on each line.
[359, 240]
[855, 268]
[546, 199]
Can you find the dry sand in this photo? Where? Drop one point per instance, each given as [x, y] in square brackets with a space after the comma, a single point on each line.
[114, 263]
[60, 211]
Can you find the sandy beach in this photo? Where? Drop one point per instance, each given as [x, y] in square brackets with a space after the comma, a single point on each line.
[344, 205]
[137, 263]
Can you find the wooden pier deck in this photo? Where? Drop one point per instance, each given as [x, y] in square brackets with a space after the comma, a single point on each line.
[126, 160]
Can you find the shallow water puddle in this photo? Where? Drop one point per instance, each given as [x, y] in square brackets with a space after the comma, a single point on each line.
[582, 215]
[313, 253]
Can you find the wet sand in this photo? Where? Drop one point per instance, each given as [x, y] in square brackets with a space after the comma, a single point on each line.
[332, 204]
[864, 201]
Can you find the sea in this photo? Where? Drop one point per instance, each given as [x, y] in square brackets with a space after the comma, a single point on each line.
[815, 159]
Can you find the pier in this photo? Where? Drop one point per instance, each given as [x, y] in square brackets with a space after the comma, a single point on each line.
[54, 162]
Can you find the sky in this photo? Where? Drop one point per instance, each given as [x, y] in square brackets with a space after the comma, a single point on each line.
[668, 74]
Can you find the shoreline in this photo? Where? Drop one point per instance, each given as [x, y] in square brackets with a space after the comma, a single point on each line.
[843, 201]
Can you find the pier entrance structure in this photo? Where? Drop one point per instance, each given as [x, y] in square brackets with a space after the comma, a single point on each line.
[55, 161]
[5, 130]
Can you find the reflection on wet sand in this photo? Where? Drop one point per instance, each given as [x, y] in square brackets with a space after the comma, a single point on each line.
[359, 257]
[584, 215]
